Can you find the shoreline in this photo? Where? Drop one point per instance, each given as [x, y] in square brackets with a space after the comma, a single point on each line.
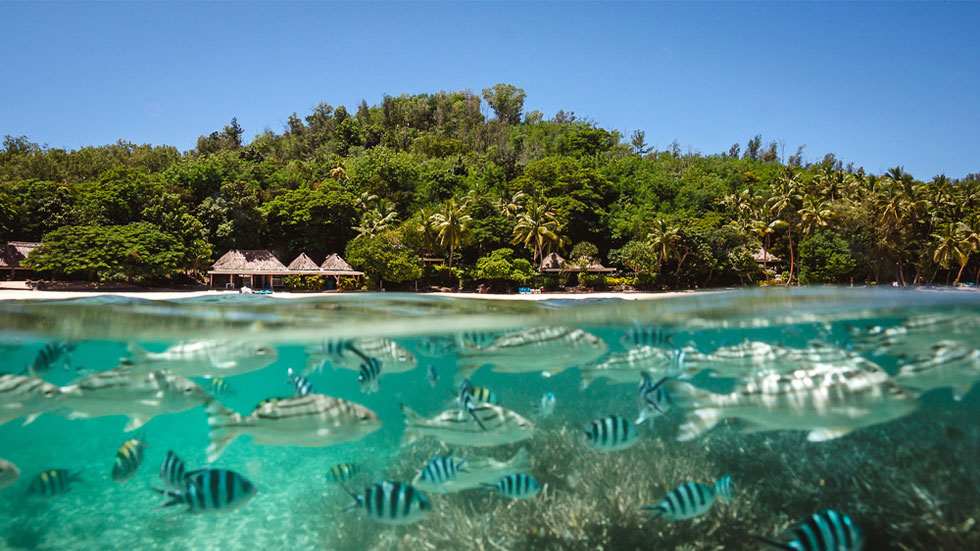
[12, 292]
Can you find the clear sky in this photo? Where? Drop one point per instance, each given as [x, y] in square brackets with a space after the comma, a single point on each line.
[879, 84]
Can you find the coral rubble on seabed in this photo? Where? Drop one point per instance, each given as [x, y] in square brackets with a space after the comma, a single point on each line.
[902, 498]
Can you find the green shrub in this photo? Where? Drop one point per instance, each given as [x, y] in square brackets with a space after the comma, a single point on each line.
[304, 282]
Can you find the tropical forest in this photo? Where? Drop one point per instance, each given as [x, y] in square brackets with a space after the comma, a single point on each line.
[489, 189]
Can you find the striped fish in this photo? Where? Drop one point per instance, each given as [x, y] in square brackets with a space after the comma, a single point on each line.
[474, 339]
[483, 395]
[173, 472]
[219, 387]
[545, 406]
[486, 426]
[350, 354]
[311, 420]
[826, 530]
[546, 349]
[140, 395]
[914, 334]
[479, 471]
[26, 397]
[628, 367]
[755, 358]
[691, 499]
[438, 346]
[650, 335]
[950, 364]
[301, 385]
[515, 486]
[49, 356]
[827, 400]
[53, 482]
[368, 375]
[432, 376]
[9, 473]
[211, 491]
[343, 472]
[128, 459]
[442, 469]
[612, 433]
[391, 503]
[467, 402]
[653, 398]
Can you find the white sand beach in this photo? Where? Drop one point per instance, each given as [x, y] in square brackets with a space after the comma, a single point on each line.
[17, 290]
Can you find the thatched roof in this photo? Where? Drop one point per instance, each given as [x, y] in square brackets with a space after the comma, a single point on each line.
[303, 263]
[763, 256]
[596, 267]
[248, 261]
[336, 265]
[14, 252]
[552, 263]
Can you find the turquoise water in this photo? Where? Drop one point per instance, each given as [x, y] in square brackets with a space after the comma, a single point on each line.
[907, 478]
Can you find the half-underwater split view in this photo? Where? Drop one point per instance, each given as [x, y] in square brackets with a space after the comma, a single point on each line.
[807, 419]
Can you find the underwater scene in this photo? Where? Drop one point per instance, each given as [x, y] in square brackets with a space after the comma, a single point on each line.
[802, 419]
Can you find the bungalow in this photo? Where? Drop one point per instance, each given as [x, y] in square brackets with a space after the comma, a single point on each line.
[553, 263]
[259, 269]
[12, 255]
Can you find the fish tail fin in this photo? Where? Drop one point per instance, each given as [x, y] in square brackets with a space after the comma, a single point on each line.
[656, 510]
[521, 462]
[355, 504]
[725, 489]
[175, 497]
[699, 416]
[137, 355]
[775, 544]
[587, 378]
[488, 487]
[224, 424]
[412, 420]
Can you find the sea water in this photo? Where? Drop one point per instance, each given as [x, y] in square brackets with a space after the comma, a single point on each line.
[910, 483]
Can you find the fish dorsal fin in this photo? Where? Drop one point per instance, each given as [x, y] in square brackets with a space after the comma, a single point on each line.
[30, 418]
[135, 422]
[959, 391]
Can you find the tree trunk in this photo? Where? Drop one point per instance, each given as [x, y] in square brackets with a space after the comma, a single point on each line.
[959, 274]
[792, 257]
[450, 258]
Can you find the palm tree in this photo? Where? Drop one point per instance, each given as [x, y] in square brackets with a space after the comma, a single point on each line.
[510, 207]
[426, 228]
[537, 228]
[377, 219]
[664, 238]
[813, 215]
[952, 243]
[452, 225]
[786, 193]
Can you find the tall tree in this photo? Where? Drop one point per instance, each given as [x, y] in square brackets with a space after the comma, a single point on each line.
[452, 223]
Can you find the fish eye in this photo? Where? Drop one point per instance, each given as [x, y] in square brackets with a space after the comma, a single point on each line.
[188, 390]
[48, 393]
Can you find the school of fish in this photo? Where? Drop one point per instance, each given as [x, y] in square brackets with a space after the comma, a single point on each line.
[825, 390]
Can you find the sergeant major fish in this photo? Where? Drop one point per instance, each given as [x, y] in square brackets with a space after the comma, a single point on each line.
[653, 398]
[128, 459]
[140, 395]
[439, 346]
[829, 401]
[49, 356]
[53, 482]
[204, 358]
[311, 420]
[647, 336]
[26, 397]
[515, 486]
[173, 472]
[826, 530]
[9, 473]
[546, 349]
[301, 385]
[479, 471]
[211, 491]
[486, 425]
[691, 499]
[391, 503]
[343, 472]
[442, 469]
[369, 374]
[611, 433]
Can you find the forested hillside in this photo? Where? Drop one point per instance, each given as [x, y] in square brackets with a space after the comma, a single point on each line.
[477, 180]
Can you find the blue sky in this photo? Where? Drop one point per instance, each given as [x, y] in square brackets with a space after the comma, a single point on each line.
[879, 84]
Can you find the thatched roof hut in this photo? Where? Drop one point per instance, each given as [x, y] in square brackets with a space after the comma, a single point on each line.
[337, 266]
[554, 263]
[551, 263]
[248, 262]
[303, 263]
[763, 257]
[13, 253]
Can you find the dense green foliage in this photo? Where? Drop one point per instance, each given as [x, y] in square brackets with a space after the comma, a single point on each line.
[431, 175]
